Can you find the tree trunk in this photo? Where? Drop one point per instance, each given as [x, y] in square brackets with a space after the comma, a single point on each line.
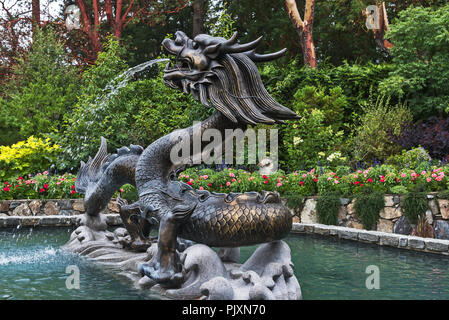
[304, 29]
[198, 16]
[35, 13]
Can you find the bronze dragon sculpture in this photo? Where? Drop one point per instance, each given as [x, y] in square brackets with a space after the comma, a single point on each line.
[219, 73]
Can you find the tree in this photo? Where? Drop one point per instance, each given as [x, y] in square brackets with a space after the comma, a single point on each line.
[118, 15]
[304, 29]
[199, 12]
[420, 55]
[43, 87]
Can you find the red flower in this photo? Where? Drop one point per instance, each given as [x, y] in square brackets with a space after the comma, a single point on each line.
[209, 184]
[189, 183]
[73, 192]
[42, 190]
[73, 188]
[315, 180]
[266, 181]
[6, 189]
[20, 178]
[369, 180]
[46, 186]
[356, 183]
[6, 182]
[301, 183]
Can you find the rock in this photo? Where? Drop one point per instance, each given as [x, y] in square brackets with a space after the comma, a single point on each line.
[4, 206]
[415, 243]
[369, 237]
[441, 229]
[296, 219]
[434, 207]
[389, 201]
[3, 215]
[35, 206]
[78, 205]
[402, 226]
[51, 208]
[22, 210]
[444, 208]
[344, 201]
[355, 225]
[113, 207]
[14, 204]
[348, 234]
[429, 217]
[388, 240]
[341, 214]
[65, 204]
[308, 213]
[390, 213]
[430, 196]
[351, 210]
[385, 226]
[396, 200]
[436, 245]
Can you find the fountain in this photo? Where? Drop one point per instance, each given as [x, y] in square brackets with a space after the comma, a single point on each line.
[180, 263]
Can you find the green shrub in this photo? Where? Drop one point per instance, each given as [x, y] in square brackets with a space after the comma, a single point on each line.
[420, 56]
[367, 207]
[414, 205]
[327, 207]
[413, 158]
[306, 141]
[30, 156]
[373, 134]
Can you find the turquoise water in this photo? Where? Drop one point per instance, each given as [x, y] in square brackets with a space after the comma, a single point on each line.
[32, 267]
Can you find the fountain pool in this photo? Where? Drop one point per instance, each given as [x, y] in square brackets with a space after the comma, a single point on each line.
[33, 267]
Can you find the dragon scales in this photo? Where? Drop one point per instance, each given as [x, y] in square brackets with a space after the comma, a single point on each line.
[217, 72]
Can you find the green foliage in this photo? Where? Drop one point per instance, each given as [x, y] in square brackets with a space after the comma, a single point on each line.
[367, 207]
[373, 134]
[306, 141]
[332, 105]
[136, 113]
[40, 186]
[42, 90]
[414, 205]
[420, 55]
[398, 190]
[30, 156]
[223, 25]
[413, 158]
[327, 207]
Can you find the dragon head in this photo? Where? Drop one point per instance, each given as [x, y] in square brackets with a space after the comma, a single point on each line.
[223, 73]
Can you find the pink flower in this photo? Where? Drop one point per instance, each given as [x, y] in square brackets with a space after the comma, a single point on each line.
[45, 172]
[201, 188]
[6, 189]
[336, 182]
[329, 178]
[356, 183]
[315, 180]
[28, 181]
[403, 175]
[206, 176]
[20, 178]
[429, 179]
[355, 176]
[434, 175]
[121, 190]
[233, 180]
[278, 184]
[228, 183]
[439, 178]
[423, 173]
[304, 175]
[42, 190]
[359, 172]
[58, 183]
[231, 175]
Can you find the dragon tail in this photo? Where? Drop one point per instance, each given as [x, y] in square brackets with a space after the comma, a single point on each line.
[102, 175]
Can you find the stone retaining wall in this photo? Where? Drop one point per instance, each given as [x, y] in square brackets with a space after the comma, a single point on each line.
[391, 218]
[376, 237]
[64, 207]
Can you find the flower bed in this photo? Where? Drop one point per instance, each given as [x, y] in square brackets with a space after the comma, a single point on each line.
[40, 186]
[382, 179]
